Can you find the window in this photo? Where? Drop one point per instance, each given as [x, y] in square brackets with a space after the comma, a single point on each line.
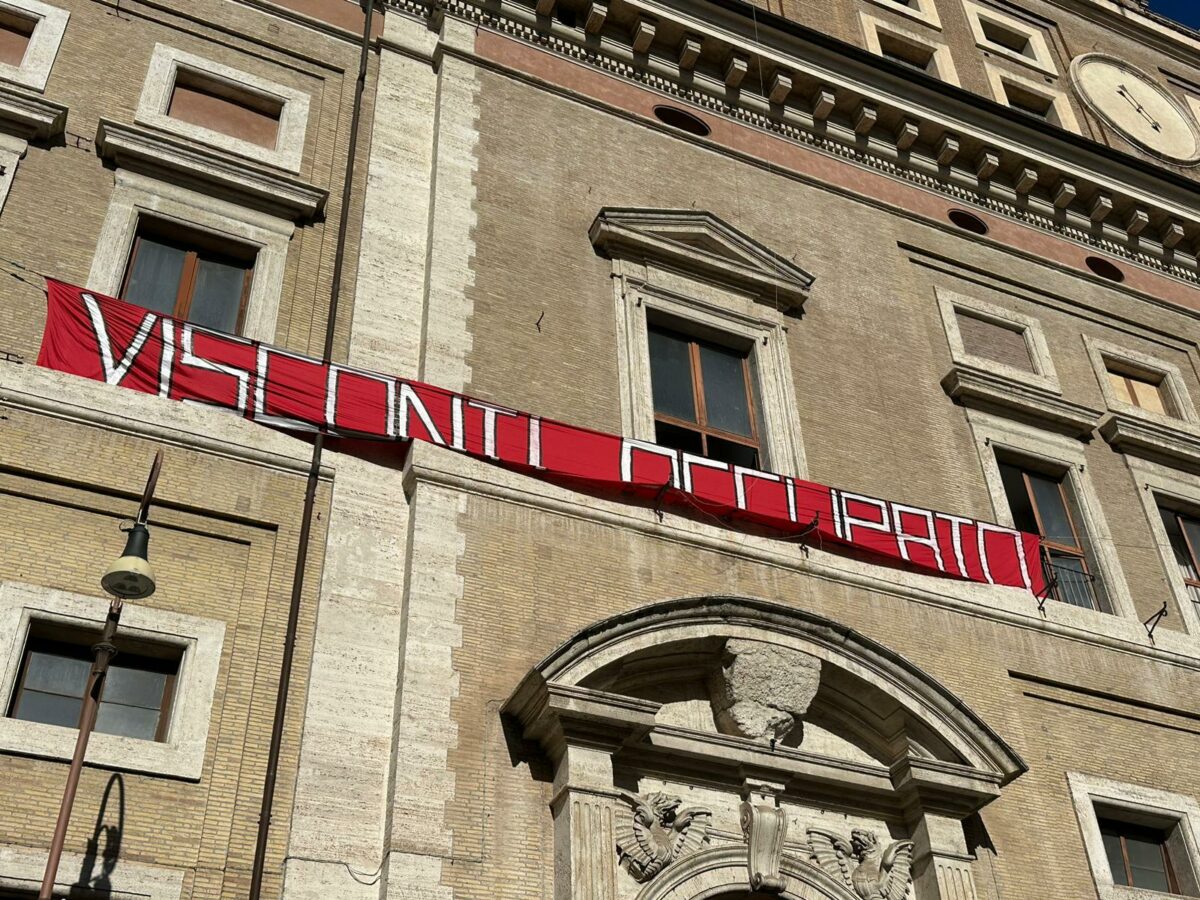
[907, 53]
[1183, 532]
[210, 103]
[703, 397]
[1008, 38]
[1016, 39]
[999, 341]
[1029, 102]
[1138, 390]
[222, 107]
[1138, 856]
[15, 33]
[1042, 504]
[54, 675]
[189, 275]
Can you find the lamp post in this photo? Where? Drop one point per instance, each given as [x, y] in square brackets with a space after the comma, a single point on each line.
[129, 578]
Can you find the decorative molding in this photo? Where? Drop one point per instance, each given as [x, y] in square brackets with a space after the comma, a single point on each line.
[656, 831]
[1028, 148]
[1154, 440]
[879, 874]
[30, 117]
[49, 25]
[223, 174]
[665, 234]
[987, 390]
[765, 828]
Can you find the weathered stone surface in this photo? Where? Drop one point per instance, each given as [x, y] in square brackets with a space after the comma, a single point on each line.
[762, 691]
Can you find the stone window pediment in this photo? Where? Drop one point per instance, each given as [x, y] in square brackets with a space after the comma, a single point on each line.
[701, 244]
[815, 744]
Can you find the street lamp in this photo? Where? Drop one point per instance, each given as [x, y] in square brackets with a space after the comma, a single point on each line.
[129, 578]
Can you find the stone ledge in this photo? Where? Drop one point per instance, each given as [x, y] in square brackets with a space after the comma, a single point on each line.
[987, 390]
[1132, 434]
[30, 117]
[213, 171]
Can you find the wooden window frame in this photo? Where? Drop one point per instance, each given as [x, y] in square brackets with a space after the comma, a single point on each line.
[1048, 546]
[1131, 395]
[35, 642]
[1120, 830]
[185, 290]
[1187, 543]
[695, 372]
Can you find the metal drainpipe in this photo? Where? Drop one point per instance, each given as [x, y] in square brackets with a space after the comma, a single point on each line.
[310, 490]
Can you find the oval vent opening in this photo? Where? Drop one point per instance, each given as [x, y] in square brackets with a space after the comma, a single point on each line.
[1104, 268]
[967, 221]
[684, 121]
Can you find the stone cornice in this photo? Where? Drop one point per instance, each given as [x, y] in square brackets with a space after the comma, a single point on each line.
[146, 150]
[663, 235]
[987, 390]
[847, 102]
[30, 116]
[1142, 437]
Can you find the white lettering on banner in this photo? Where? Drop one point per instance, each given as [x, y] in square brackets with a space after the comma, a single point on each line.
[956, 524]
[113, 374]
[849, 521]
[260, 390]
[331, 395]
[410, 402]
[188, 357]
[690, 459]
[904, 538]
[981, 529]
[791, 497]
[740, 474]
[458, 437]
[167, 360]
[535, 442]
[489, 425]
[628, 446]
[835, 500]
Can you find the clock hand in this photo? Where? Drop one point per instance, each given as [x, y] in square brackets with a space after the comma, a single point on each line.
[1141, 110]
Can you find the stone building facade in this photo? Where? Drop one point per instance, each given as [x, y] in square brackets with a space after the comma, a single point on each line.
[216, 128]
[945, 249]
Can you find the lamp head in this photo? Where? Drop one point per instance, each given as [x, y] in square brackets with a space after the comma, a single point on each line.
[131, 577]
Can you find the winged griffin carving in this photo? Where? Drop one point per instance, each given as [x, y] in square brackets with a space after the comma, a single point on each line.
[660, 831]
[862, 865]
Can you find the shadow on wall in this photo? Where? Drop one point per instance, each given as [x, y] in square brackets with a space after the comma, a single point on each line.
[104, 846]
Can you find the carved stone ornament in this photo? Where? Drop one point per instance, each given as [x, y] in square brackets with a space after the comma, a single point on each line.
[762, 691]
[872, 873]
[658, 831]
[765, 828]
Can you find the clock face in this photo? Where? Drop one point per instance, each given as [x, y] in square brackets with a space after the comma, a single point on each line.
[1137, 106]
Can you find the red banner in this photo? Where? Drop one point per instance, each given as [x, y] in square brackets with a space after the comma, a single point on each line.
[112, 341]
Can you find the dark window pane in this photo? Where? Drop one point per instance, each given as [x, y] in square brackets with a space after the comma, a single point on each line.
[678, 438]
[1018, 498]
[724, 375]
[729, 452]
[56, 674]
[1116, 859]
[1056, 523]
[1146, 864]
[154, 280]
[129, 721]
[217, 297]
[134, 687]
[50, 709]
[1074, 584]
[1178, 544]
[671, 375]
[1191, 528]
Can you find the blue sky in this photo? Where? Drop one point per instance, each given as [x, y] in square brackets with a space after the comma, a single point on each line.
[1185, 11]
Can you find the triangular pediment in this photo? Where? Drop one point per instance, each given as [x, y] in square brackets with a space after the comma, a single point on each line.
[701, 244]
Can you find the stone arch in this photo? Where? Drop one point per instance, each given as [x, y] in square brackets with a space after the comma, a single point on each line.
[943, 728]
[720, 872]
